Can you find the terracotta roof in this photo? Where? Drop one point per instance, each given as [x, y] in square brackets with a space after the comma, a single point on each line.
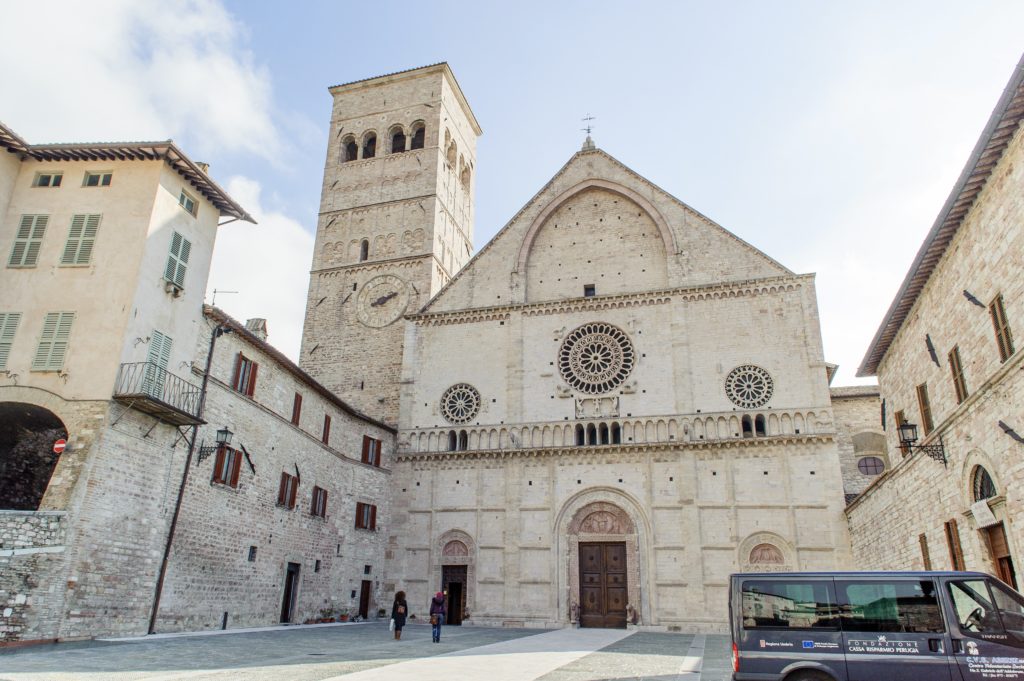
[11, 140]
[222, 317]
[1001, 127]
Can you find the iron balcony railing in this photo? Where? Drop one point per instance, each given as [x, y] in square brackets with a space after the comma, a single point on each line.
[150, 388]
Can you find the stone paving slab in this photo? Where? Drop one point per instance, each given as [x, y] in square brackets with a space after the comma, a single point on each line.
[368, 651]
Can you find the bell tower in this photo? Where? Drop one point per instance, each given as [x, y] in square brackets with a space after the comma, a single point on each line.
[395, 225]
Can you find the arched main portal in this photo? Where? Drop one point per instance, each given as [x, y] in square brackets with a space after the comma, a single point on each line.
[27, 459]
[603, 544]
[455, 574]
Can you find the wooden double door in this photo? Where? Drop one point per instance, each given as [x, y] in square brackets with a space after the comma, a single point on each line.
[603, 593]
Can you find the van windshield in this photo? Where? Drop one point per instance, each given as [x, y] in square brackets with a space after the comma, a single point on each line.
[981, 611]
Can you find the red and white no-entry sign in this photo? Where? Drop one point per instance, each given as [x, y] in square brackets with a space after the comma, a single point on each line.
[59, 445]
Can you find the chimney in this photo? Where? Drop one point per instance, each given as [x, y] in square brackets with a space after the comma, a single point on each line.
[257, 327]
[205, 167]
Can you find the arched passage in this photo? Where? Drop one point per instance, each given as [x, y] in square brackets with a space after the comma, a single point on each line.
[27, 459]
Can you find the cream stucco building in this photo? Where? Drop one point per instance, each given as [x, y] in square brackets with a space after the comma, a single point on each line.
[606, 410]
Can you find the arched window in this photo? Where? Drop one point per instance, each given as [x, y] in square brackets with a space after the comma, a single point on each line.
[605, 439]
[591, 434]
[982, 486]
[616, 434]
[871, 465]
[349, 149]
[464, 178]
[397, 140]
[452, 441]
[419, 133]
[463, 441]
[370, 145]
[580, 436]
[748, 431]
[453, 154]
[759, 430]
[364, 250]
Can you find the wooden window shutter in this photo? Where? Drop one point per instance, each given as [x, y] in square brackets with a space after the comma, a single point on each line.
[250, 388]
[1004, 339]
[923, 541]
[366, 449]
[359, 515]
[323, 503]
[236, 467]
[294, 491]
[218, 465]
[282, 491]
[53, 342]
[81, 237]
[177, 260]
[238, 372]
[327, 429]
[312, 502]
[28, 240]
[376, 452]
[297, 409]
[8, 325]
[373, 517]
[956, 553]
[927, 423]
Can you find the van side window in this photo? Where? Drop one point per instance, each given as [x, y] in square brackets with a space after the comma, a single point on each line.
[904, 605]
[788, 604]
[980, 611]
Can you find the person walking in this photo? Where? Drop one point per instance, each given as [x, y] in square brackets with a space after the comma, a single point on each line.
[437, 614]
[399, 610]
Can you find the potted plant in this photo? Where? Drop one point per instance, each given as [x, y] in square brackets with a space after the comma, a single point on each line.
[343, 615]
[326, 616]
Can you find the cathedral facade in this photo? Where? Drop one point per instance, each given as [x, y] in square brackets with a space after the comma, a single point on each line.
[603, 413]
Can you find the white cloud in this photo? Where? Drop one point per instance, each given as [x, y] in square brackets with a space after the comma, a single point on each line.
[267, 263]
[126, 70]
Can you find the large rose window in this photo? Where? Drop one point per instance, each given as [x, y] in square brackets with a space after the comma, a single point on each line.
[596, 358]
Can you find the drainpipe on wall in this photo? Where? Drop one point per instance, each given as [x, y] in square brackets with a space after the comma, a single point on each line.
[218, 331]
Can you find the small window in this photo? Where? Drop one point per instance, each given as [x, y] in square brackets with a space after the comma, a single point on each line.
[316, 565]
[589, 290]
[186, 201]
[227, 466]
[28, 240]
[367, 569]
[287, 490]
[81, 238]
[296, 409]
[252, 554]
[1004, 339]
[8, 325]
[349, 149]
[898, 605]
[48, 179]
[371, 451]
[364, 250]
[97, 179]
[927, 423]
[957, 369]
[245, 375]
[871, 465]
[366, 516]
[325, 437]
[397, 141]
[370, 145]
[177, 260]
[789, 604]
[419, 133]
[319, 505]
[53, 341]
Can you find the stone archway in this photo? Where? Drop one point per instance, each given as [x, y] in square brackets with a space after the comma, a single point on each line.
[604, 516]
[766, 552]
[456, 553]
[27, 459]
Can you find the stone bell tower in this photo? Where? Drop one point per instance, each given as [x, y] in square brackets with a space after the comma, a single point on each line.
[395, 225]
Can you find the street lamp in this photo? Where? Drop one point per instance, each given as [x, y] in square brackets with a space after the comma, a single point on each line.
[908, 436]
[223, 439]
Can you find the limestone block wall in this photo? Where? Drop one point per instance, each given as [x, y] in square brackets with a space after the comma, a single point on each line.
[859, 434]
[32, 545]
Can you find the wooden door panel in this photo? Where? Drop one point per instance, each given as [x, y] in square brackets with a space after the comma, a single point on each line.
[603, 594]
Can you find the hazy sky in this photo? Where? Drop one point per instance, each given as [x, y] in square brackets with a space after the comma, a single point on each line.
[826, 134]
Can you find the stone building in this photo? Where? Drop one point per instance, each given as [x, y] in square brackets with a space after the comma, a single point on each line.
[948, 361]
[606, 410]
[106, 249]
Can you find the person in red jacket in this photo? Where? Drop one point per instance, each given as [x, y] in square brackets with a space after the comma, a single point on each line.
[437, 614]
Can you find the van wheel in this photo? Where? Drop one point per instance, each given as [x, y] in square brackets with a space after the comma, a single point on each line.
[809, 675]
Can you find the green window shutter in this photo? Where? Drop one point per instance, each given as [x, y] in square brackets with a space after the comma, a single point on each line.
[157, 362]
[81, 237]
[28, 241]
[177, 260]
[8, 325]
[53, 342]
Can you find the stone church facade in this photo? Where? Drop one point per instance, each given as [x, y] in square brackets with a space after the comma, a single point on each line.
[609, 408]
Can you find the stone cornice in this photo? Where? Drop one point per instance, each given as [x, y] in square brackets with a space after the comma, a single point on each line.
[737, 289]
[368, 266]
[576, 454]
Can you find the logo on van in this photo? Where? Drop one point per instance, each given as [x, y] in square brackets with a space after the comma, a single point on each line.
[820, 644]
[882, 645]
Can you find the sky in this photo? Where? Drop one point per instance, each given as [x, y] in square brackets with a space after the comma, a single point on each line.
[827, 135]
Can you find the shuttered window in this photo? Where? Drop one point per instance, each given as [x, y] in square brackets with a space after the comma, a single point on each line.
[8, 325]
[319, 502]
[245, 375]
[956, 553]
[287, 490]
[957, 369]
[1004, 339]
[157, 361]
[366, 516]
[297, 409]
[81, 237]
[227, 466]
[925, 404]
[53, 342]
[371, 451]
[28, 241]
[177, 260]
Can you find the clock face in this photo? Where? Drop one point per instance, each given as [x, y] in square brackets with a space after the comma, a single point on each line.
[382, 300]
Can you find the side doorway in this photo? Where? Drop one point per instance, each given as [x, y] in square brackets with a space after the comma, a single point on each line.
[453, 583]
[291, 591]
[364, 599]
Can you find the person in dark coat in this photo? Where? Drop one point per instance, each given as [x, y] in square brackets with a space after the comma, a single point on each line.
[399, 611]
[437, 614]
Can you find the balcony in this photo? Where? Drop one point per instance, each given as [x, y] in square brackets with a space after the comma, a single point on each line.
[149, 388]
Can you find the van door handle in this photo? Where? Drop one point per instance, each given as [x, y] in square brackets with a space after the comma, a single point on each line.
[935, 645]
[957, 646]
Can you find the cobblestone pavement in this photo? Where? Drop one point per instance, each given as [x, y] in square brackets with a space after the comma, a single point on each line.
[366, 651]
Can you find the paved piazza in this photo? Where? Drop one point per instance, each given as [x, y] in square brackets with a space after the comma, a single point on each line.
[366, 652]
